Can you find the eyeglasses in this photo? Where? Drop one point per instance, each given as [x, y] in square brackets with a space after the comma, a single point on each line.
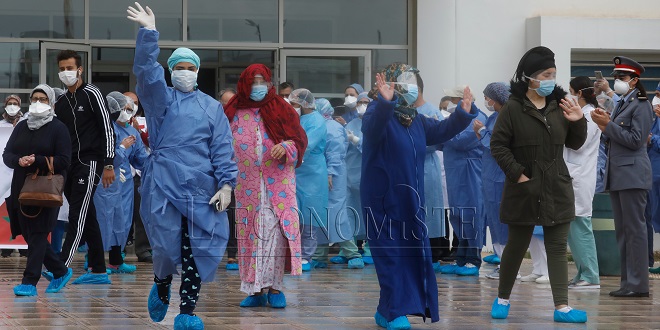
[39, 99]
[363, 103]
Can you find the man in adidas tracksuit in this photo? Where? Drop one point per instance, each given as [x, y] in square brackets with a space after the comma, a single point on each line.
[83, 109]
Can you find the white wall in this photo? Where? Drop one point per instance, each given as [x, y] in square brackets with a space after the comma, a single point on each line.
[476, 42]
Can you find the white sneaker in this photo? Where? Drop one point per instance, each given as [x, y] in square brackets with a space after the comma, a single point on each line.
[584, 285]
[530, 278]
[543, 280]
[518, 276]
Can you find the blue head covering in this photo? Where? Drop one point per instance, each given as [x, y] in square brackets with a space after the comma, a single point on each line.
[363, 95]
[498, 92]
[182, 55]
[658, 88]
[324, 108]
[357, 87]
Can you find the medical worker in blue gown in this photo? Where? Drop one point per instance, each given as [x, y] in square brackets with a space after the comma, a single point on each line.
[354, 210]
[433, 202]
[311, 176]
[114, 205]
[462, 158]
[392, 192]
[495, 94]
[340, 229]
[189, 176]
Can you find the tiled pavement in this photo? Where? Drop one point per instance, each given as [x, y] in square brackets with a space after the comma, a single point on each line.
[333, 298]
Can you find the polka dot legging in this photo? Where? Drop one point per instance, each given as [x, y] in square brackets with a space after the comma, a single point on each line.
[190, 280]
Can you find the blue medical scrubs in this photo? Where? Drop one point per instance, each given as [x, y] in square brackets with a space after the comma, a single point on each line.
[462, 158]
[354, 210]
[191, 159]
[392, 192]
[434, 206]
[114, 205]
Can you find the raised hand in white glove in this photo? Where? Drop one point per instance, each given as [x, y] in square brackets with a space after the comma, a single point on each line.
[122, 177]
[352, 138]
[145, 17]
[222, 198]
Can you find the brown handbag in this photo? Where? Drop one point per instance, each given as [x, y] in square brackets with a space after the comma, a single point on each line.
[42, 191]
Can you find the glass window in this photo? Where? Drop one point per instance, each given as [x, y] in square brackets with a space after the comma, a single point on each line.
[43, 19]
[108, 19]
[346, 21]
[212, 20]
[19, 65]
[52, 68]
[384, 57]
[243, 58]
[325, 74]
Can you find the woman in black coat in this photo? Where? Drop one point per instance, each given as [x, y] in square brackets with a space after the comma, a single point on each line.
[31, 142]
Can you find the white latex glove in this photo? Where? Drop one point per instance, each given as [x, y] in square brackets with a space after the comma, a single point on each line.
[146, 17]
[122, 177]
[223, 196]
[352, 138]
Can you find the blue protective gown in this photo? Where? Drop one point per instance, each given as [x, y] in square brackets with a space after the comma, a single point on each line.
[354, 210]
[339, 229]
[312, 175]
[653, 205]
[349, 115]
[392, 193]
[191, 159]
[493, 185]
[114, 205]
[435, 213]
[462, 158]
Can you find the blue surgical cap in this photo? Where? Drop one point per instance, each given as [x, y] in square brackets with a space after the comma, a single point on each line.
[363, 95]
[182, 55]
[658, 88]
[357, 87]
[324, 108]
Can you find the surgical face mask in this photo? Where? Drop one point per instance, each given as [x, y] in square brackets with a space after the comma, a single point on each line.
[124, 116]
[68, 78]
[134, 106]
[184, 80]
[573, 97]
[451, 107]
[12, 110]
[656, 101]
[545, 86]
[621, 87]
[411, 95]
[258, 92]
[39, 109]
[287, 100]
[297, 110]
[361, 109]
[350, 101]
[490, 107]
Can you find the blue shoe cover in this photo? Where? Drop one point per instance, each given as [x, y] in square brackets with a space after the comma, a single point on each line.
[122, 269]
[318, 264]
[449, 269]
[399, 323]
[91, 278]
[86, 264]
[277, 300]
[436, 267]
[467, 271]
[499, 311]
[254, 301]
[157, 309]
[82, 248]
[47, 275]
[380, 320]
[356, 263]
[26, 290]
[338, 260]
[573, 316]
[307, 267]
[57, 284]
[188, 322]
[368, 260]
[492, 259]
[233, 266]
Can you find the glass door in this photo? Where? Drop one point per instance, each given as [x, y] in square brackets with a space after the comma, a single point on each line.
[326, 73]
[48, 66]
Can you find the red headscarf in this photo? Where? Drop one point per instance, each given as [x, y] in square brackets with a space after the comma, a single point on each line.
[281, 121]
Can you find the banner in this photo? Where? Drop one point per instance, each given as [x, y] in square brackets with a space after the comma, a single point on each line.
[5, 188]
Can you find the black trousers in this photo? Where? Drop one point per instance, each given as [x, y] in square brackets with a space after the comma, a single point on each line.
[35, 231]
[232, 244]
[441, 247]
[79, 189]
[142, 246]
